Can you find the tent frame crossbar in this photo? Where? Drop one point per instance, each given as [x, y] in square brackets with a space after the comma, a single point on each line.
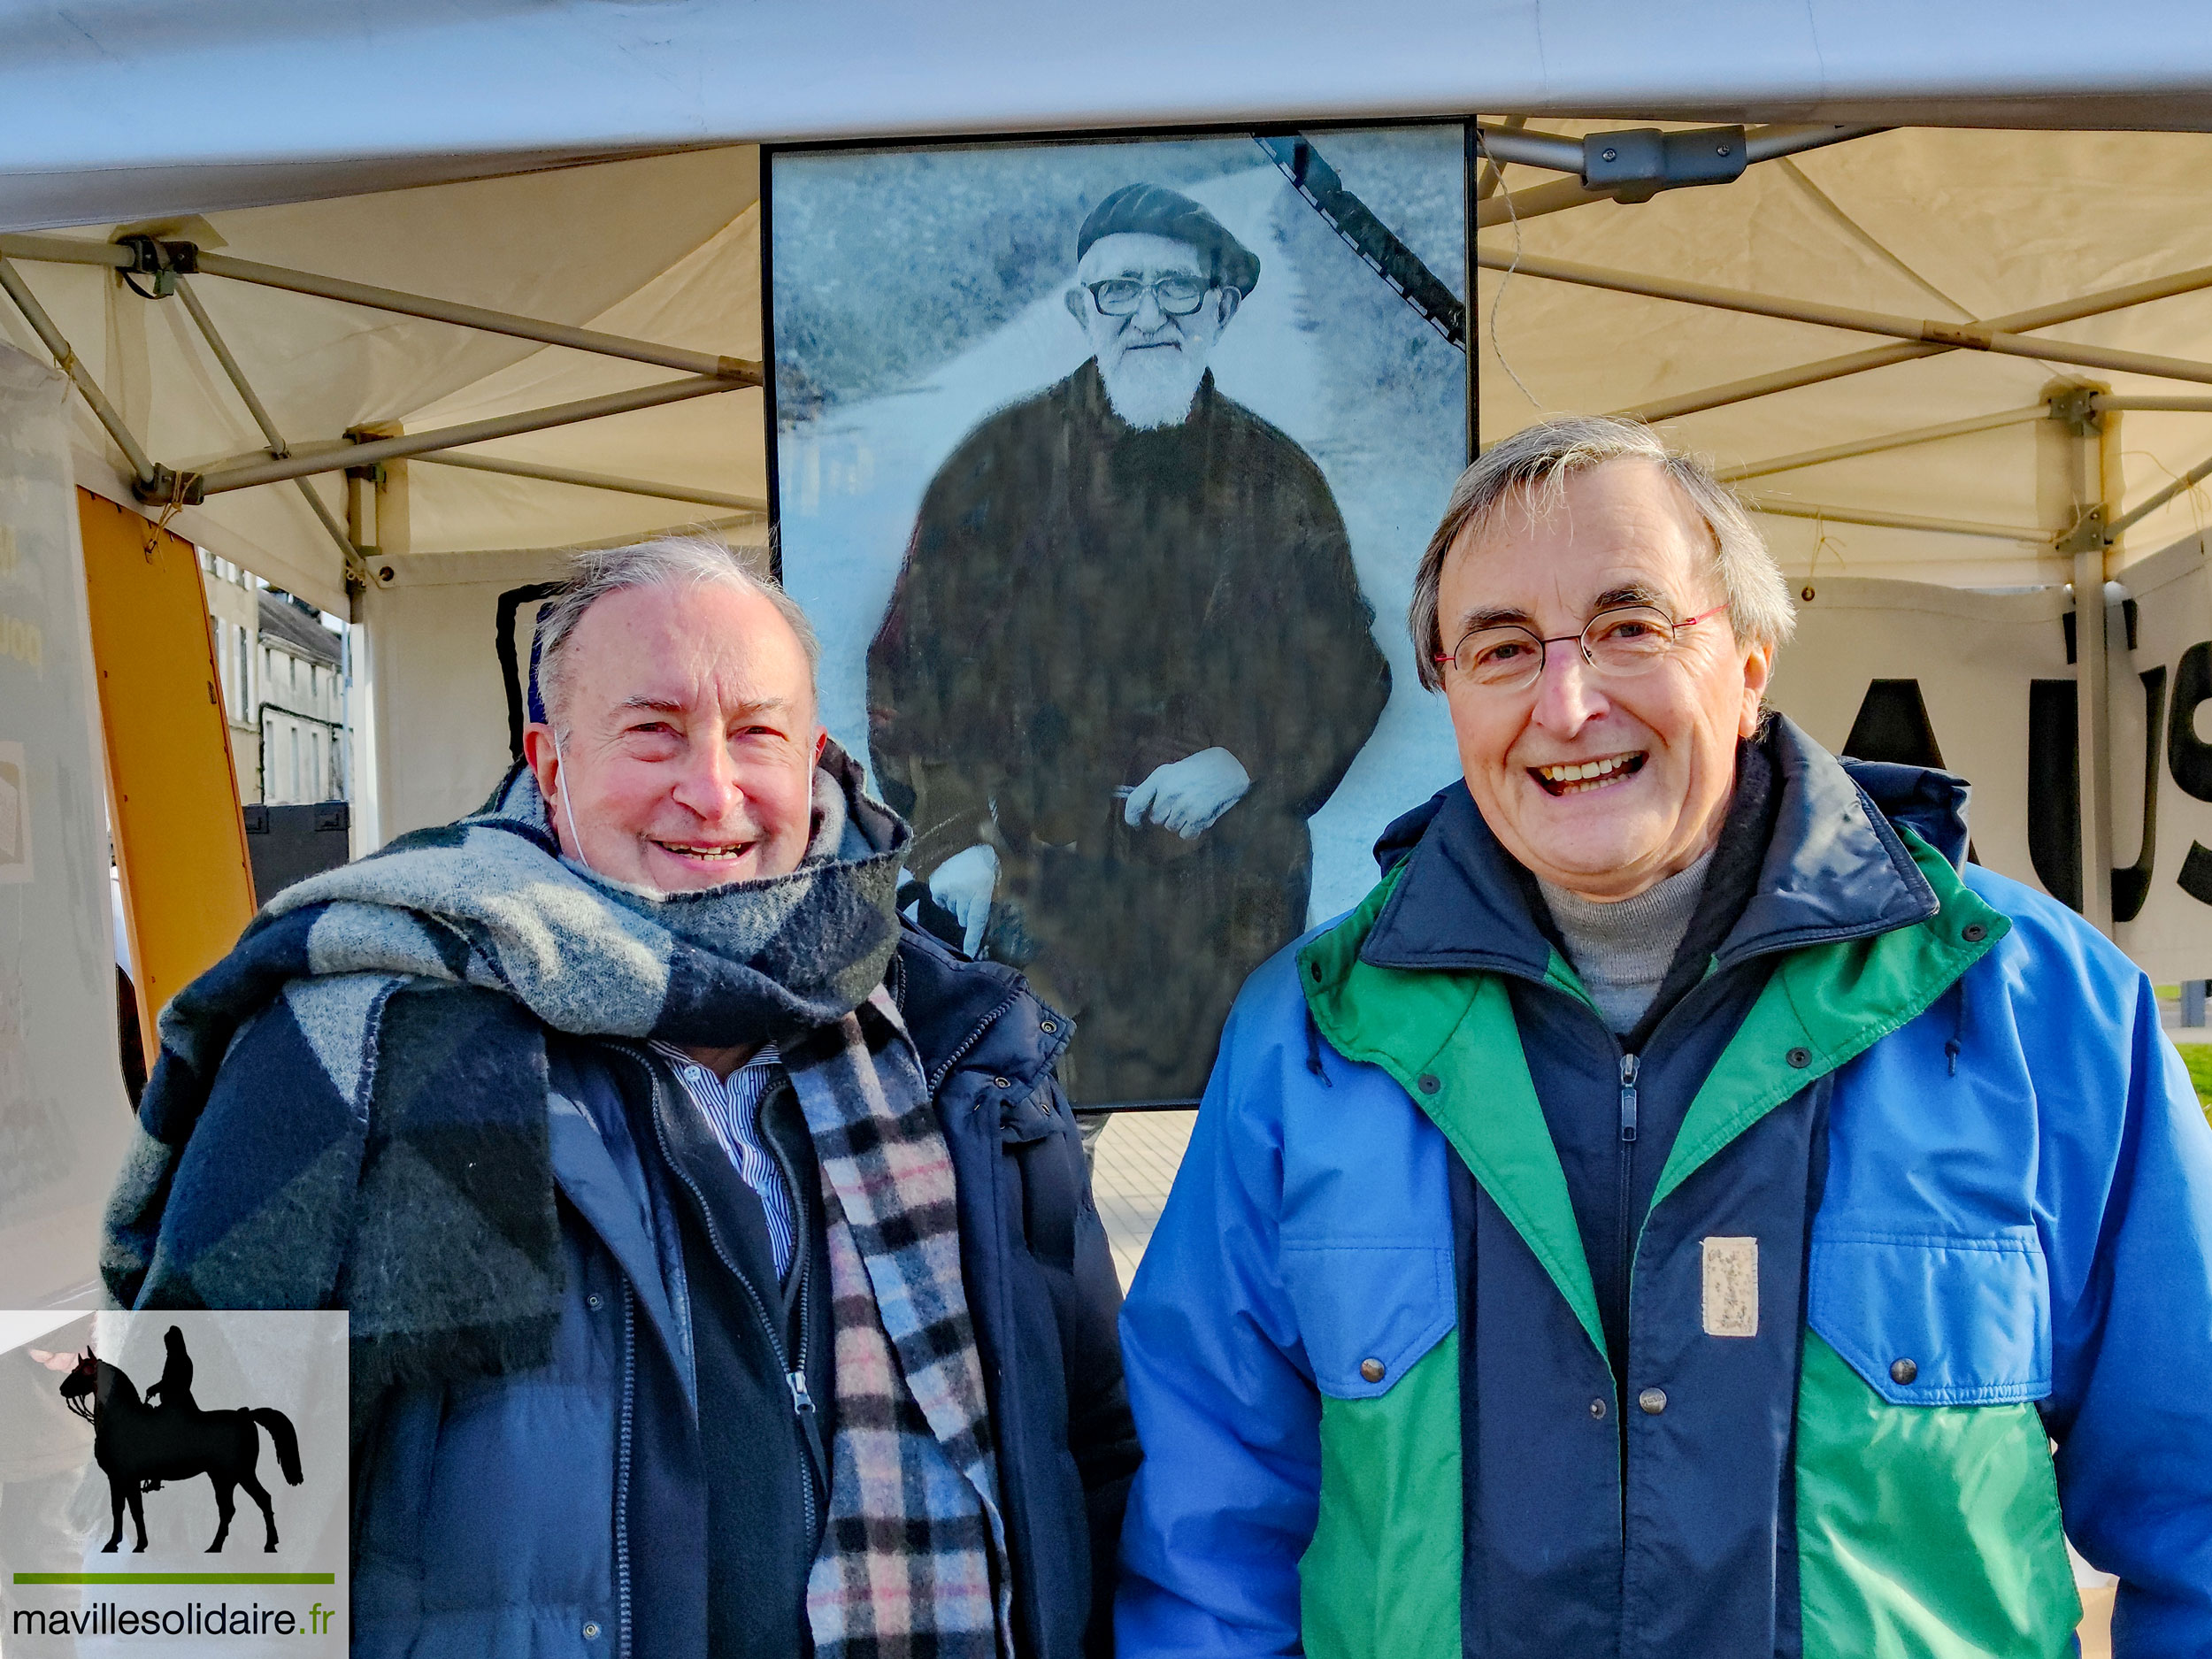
[145, 473]
[1886, 441]
[196, 486]
[173, 264]
[1584, 158]
[2152, 502]
[188, 258]
[2097, 304]
[1782, 509]
[2153, 405]
[1920, 330]
[594, 480]
[357, 567]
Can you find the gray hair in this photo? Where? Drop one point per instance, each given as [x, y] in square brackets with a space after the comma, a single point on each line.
[1537, 461]
[667, 561]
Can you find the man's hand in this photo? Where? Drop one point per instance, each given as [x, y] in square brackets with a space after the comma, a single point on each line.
[963, 885]
[1189, 795]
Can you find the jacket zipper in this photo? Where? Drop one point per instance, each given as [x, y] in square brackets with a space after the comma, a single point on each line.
[1629, 1064]
[801, 1402]
[802, 1264]
[622, 1464]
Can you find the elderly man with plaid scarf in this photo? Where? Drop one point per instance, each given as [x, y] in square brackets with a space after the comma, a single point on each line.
[723, 1277]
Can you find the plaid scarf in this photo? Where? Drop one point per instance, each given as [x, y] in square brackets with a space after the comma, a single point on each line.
[388, 1152]
[913, 1558]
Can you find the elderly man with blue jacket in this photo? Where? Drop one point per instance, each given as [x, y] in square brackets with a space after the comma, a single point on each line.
[722, 1277]
[1686, 1209]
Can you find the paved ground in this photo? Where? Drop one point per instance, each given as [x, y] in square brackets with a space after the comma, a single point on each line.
[1135, 1165]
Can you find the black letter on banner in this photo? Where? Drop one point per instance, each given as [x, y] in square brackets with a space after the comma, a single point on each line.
[1892, 726]
[2131, 885]
[2190, 758]
[2055, 790]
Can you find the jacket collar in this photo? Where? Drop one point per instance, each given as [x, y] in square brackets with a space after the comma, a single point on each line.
[981, 1015]
[1835, 868]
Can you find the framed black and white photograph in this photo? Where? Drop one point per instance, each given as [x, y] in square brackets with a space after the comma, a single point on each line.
[1103, 467]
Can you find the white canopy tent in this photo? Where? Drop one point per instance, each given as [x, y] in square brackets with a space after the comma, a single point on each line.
[461, 154]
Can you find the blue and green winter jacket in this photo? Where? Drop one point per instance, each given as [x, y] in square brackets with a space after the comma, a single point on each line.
[1919, 1282]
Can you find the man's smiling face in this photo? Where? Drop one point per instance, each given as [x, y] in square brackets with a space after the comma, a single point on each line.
[687, 739]
[1603, 786]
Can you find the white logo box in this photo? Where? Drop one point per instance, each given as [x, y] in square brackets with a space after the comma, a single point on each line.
[249, 1404]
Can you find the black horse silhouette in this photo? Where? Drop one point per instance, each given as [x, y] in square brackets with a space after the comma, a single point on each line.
[139, 1446]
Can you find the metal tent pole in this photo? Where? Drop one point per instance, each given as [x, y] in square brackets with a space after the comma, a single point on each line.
[2156, 405]
[356, 568]
[230, 478]
[1771, 144]
[476, 317]
[1502, 144]
[26, 302]
[1968, 337]
[1760, 143]
[1895, 520]
[595, 480]
[67, 250]
[2096, 304]
[2151, 504]
[1572, 155]
[1890, 440]
[188, 258]
[1492, 171]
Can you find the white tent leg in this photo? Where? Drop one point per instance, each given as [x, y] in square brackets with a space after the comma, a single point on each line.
[2081, 458]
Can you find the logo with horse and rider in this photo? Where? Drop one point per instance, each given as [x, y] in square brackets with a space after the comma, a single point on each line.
[144, 1439]
[178, 1473]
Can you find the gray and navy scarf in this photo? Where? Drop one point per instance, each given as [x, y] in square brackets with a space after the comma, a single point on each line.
[389, 1152]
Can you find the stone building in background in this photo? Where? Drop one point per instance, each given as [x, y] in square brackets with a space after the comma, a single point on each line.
[284, 688]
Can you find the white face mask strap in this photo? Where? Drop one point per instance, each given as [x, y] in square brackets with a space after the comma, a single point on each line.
[560, 781]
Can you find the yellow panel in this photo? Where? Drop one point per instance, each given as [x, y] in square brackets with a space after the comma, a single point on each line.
[179, 838]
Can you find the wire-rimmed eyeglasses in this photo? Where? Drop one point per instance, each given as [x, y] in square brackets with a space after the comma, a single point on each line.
[1177, 295]
[1619, 642]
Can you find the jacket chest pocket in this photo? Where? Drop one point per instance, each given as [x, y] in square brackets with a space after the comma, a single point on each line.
[1935, 1319]
[1368, 1311]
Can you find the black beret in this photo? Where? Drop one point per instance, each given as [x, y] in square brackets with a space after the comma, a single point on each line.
[1153, 209]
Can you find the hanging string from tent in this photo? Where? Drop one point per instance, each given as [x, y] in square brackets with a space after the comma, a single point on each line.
[1498, 298]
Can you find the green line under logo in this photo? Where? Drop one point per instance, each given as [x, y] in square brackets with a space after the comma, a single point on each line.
[176, 1578]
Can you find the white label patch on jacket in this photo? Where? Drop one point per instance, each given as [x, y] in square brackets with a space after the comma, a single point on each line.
[1732, 1287]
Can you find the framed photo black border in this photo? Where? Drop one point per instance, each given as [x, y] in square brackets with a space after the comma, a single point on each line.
[1470, 171]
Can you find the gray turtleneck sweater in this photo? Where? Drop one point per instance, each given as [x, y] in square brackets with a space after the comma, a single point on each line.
[1622, 949]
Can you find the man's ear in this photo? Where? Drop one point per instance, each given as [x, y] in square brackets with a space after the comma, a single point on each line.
[1230, 300]
[1758, 670]
[544, 762]
[821, 740]
[1074, 298]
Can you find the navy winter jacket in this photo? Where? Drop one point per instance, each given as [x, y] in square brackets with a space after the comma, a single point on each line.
[563, 1511]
